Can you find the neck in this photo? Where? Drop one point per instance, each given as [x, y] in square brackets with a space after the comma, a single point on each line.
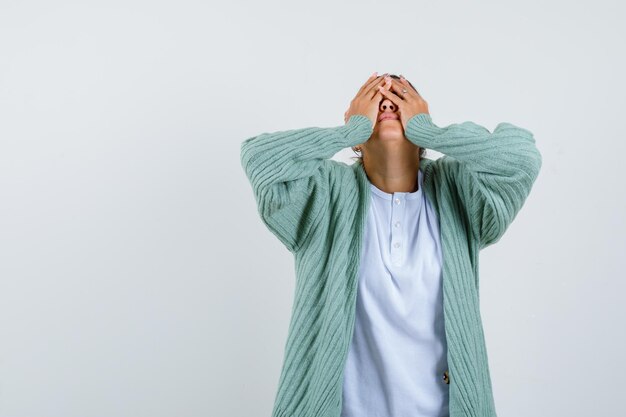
[393, 173]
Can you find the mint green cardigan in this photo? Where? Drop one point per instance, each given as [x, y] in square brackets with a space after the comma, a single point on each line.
[317, 208]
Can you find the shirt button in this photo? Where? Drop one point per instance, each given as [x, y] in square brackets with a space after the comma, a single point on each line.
[397, 224]
[397, 201]
[396, 245]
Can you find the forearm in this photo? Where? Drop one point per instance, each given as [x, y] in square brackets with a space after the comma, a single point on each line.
[506, 151]
[282, 156]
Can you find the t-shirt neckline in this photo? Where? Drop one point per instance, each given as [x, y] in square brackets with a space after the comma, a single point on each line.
[407, 195]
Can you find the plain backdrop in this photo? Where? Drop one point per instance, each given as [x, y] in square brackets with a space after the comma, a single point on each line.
[136, 278]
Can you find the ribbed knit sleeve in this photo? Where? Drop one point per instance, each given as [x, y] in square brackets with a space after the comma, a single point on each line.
[494, 171]
[289, 173]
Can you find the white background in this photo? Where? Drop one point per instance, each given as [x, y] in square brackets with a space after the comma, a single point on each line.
[136, 278]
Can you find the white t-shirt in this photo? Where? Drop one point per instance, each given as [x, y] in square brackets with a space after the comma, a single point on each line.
[397, 358]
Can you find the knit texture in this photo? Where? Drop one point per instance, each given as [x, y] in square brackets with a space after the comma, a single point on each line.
[317, 208]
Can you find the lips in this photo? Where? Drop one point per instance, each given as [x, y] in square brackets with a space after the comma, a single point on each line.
[387, 117]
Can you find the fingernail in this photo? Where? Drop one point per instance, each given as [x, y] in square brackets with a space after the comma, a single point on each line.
[375, 74]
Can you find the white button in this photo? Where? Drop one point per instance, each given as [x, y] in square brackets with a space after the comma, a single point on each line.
[397, 224]
[396, 245]
[397, 201]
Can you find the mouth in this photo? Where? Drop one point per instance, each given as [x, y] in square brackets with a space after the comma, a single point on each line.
[387, 117]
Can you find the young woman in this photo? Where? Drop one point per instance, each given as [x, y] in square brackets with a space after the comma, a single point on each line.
[386, 316]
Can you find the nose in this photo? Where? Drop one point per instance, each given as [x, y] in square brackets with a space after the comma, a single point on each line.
[387, 106]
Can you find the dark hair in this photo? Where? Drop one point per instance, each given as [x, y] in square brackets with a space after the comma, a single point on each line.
[422, 152]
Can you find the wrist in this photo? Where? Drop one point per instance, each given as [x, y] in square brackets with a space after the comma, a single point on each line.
[357, 130]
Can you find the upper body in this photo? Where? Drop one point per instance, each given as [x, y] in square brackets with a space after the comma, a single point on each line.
[318, 209]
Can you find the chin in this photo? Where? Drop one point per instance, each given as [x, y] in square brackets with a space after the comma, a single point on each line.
[390, 130]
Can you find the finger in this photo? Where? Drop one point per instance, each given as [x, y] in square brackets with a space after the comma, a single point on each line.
[378, 97]
[409, 87]
[371, 88]
[397, 87]
[391, 96]
[371, 93]
[368, 82]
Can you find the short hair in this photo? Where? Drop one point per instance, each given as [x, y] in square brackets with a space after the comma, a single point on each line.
[422, 152]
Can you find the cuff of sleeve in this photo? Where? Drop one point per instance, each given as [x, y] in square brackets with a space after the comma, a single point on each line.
[420, 129]
[357, 130]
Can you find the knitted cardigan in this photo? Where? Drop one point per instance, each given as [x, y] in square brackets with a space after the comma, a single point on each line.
[317, 207]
